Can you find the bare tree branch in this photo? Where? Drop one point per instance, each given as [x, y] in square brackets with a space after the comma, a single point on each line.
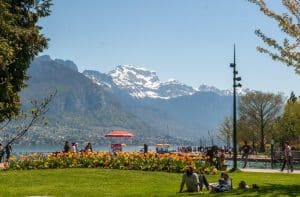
[36, 115]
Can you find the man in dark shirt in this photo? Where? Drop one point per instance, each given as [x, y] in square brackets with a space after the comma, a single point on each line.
[246, 150]
[67, 147]
[8, 150]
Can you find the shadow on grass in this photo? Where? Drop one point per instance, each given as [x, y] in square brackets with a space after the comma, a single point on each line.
[272, 190]
[268, 190]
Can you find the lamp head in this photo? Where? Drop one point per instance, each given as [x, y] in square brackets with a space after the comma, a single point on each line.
[238, 78]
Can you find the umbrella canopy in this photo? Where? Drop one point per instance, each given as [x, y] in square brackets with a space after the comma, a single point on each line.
[119, 134]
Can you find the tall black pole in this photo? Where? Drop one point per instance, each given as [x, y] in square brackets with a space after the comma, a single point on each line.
[234, 113]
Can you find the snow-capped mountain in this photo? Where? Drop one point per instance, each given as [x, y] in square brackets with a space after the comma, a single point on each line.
[107, 100]
[142, 83]
[98, 78]
[228, 92]
[173, 88]
[138, 82]
[206, 88]
[127, 76]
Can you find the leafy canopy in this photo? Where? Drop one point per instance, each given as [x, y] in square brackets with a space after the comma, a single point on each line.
[289, 124]
[20, 42]
[259, 110]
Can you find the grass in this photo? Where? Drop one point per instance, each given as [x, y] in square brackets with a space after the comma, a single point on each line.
[105, 182]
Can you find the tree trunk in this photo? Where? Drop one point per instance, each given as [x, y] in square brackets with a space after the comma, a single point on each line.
[262, 134]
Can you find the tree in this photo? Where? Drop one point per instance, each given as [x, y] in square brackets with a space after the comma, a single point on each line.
[21, 124]
[260, 109]
[225, 131]
[247, 131]
[20, 42]
[286, 52]
[290, 120]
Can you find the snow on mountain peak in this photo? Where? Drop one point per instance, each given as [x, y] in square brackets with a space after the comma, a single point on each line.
[141, 83]
[206, 88]
[130, 75]
[227, 92]
[172, 81]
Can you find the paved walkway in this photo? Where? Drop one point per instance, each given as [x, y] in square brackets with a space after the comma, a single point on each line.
[268, 170]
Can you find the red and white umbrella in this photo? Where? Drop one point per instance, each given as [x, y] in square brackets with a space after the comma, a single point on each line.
[119, 134]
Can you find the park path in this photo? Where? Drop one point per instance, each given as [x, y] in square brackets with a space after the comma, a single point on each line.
[268, 170]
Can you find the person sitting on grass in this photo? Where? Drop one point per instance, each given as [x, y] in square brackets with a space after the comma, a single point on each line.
[203, 180]
[223, 185]
[190, 179]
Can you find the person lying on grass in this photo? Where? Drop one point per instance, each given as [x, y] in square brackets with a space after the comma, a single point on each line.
[224, 184]
[190, 179]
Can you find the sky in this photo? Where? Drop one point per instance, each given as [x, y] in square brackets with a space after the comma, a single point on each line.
[190, 41]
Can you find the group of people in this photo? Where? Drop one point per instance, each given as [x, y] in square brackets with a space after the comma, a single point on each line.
[195, 183]
[5, 150]
[287, 156]
[216, 157]
[73, 147]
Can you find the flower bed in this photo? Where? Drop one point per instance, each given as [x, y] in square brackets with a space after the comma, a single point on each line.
[121, 160]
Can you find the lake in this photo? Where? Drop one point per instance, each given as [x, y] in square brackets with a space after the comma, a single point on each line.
[28, 149]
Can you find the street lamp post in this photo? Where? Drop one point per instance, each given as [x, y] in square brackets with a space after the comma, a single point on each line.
[235, 85]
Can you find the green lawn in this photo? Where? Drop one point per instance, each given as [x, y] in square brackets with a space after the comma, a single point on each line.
[104, 182]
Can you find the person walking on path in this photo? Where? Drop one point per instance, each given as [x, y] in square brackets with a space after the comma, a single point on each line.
[246, 151]
[288, 158]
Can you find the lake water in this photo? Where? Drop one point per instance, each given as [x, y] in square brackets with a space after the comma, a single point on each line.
[259, 165]
[27, 149]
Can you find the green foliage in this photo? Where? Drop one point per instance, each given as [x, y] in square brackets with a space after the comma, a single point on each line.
[20, 42]
[258, 111]
[108, 182]
[287, 127]
[286, 52]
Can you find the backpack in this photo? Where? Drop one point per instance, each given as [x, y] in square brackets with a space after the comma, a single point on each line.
[243, 185]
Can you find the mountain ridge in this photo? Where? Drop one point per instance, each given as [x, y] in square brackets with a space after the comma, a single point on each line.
[141, 83]
[90, 103]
